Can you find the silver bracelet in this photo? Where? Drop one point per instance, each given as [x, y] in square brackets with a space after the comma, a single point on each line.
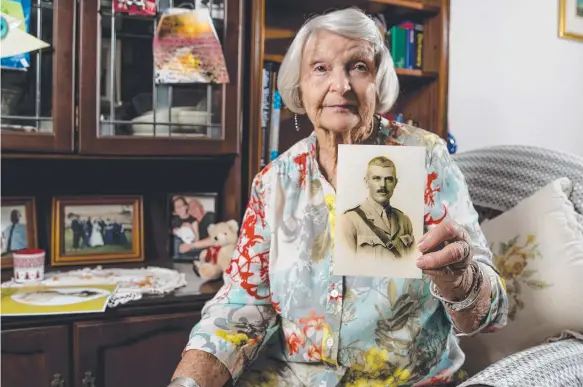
[183, 381]
[456, 306]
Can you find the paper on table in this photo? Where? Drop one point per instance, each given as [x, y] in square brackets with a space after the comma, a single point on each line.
[44, 300]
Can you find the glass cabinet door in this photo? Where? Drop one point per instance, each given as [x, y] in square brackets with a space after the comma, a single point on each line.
[37, 87]
[124, 108]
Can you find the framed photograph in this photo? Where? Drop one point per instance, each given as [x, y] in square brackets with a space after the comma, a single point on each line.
[379, 210]
[18, 227]
[571, 19]
[190, 216]
[97, 230]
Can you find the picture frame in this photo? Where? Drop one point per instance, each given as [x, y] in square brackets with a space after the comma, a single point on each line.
[19, 204]
[182, 238]
[571, 19]
[97, 229]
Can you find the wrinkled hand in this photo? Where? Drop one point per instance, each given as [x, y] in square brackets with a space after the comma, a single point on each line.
[447, 253]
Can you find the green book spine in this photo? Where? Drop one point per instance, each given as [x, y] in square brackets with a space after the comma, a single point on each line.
[398, 46]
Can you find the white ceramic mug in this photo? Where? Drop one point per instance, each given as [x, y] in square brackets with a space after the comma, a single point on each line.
[29, 265]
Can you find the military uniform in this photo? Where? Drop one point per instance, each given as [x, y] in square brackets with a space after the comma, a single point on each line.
[370, 230]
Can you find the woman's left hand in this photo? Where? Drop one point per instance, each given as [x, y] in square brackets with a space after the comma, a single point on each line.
[447, 253]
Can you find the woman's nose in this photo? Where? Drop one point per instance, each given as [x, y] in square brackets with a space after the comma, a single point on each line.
[340, 82]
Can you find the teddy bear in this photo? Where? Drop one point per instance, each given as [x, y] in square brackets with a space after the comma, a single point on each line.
[215, 260]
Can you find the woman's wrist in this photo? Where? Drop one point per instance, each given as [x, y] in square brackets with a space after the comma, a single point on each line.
[455, 291]
[204, 368]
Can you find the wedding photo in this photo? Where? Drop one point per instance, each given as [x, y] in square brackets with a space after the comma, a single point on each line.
[108, 228]
[379, 210]
[190, 216]
[17, 227]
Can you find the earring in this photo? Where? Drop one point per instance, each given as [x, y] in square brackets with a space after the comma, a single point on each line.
[296, 122]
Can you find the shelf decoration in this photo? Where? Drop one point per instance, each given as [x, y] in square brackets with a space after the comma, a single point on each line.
[130, 284]
[187, 48]
[17, 43]
[571, 19]
[135, 7]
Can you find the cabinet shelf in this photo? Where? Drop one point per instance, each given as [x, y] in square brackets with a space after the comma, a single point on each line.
[410, 4]
[416, 73]
[273, 58]
[279, 33]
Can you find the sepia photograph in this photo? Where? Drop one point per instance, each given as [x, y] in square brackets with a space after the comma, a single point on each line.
[18, 227]
[379, 210]
[97, 230]
[190, 216]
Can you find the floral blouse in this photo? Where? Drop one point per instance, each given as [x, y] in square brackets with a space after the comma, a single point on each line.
[283, 318]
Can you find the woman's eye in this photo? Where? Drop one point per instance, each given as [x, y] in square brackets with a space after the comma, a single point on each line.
[319, 68]
[361, 67]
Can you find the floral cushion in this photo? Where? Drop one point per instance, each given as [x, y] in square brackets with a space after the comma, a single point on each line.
[538, 249]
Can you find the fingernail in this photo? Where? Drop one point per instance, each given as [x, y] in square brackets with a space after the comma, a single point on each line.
[422, 245]
[421, 263]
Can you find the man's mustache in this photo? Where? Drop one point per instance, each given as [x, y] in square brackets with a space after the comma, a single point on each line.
[382, 191]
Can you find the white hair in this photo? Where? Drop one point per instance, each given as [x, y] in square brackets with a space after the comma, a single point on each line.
[351, 23]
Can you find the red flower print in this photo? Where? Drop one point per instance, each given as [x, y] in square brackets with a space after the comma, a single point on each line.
[429, 198]
[250, 264]
[295, 340]
[313, 354]
[275, 305]
[312, 323]
[301, 161]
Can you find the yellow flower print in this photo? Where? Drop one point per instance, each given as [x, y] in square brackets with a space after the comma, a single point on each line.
[331, 204]
[238, 339]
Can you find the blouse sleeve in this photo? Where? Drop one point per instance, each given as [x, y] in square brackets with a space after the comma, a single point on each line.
[240, 318]
[447, 197]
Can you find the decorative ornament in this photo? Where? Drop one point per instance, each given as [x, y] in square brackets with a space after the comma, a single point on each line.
[451, 144]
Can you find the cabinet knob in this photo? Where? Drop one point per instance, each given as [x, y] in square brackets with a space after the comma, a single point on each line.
[88, 380]
[57, 381]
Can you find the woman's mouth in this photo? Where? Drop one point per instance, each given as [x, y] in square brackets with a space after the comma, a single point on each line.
[342, 108]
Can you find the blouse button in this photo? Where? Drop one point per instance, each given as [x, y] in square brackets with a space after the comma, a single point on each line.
[330, 342]
[334, 293]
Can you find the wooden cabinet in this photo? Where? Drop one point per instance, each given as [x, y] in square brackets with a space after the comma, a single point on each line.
[36, 357]
[38, 104]
[142, 351]
[137, 351]
[136, 344]
[123, 110]
[93, 91]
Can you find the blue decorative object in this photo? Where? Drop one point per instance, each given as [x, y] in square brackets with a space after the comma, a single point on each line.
[20, 61]
[3, 27]
[451, 144]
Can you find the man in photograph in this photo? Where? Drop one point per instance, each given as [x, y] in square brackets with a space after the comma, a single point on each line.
[374, 228]
[15, 234]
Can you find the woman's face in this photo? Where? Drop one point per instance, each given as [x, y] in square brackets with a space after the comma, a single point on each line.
[338, 82]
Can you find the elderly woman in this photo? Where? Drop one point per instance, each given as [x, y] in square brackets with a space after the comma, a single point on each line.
[282, 317]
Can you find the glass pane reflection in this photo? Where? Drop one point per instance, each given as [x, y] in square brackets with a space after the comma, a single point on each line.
[26, 95]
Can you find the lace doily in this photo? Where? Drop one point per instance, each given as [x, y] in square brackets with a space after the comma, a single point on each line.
[132, 283]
